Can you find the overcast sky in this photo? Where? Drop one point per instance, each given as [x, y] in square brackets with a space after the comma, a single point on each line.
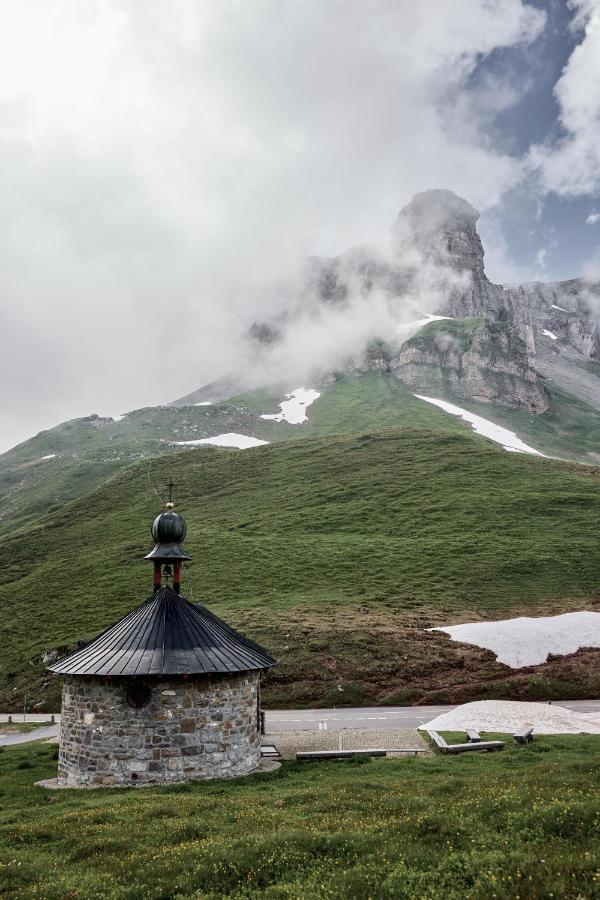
[160, 160]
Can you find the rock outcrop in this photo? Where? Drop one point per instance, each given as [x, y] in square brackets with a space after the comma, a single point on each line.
[433, 263]
[482, 362]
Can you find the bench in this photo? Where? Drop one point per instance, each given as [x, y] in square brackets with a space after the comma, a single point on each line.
[487, 746]
[438, 740]
[473, 736]
[523, 736]
[310, 755]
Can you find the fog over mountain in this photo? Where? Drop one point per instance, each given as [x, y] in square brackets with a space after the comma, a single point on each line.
[358, 312]
[167, 169]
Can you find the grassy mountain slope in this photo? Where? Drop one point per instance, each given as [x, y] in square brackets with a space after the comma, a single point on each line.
[569, 429]
[85, 452]
[336, 552]
[353, 404]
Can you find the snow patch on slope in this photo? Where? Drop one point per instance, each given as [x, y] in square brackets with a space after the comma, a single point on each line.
[429, 317]
[293, 408]
[407, 328]
[231, 439]
[562, 309]
[204, 403]
[508, 716]
[508, 439]
[526, 641]
[49, 456]
[549, 334]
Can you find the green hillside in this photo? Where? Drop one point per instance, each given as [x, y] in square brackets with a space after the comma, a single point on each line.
[337, 553]
[569, 429]
[64, 463]
[354, 404]
[85, 452]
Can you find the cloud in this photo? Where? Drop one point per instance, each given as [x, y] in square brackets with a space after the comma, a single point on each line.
[160, 162]
[317, 337]
[593, 218]
[591, 271]
[570, 166]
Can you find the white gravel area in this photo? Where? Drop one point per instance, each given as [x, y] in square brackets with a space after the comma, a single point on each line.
[508, 716]
[527, 641]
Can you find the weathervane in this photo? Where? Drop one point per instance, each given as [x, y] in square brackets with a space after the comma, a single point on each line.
[170, 504]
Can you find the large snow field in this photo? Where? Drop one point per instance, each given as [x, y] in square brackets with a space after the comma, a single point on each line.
[508, 716]
[508, 439]
[526, 641]
[293, 408]
[231, 439]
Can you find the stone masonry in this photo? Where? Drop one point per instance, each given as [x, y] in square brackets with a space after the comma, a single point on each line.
[125, 732]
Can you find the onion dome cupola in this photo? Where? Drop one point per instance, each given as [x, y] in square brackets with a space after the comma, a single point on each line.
[168, 530]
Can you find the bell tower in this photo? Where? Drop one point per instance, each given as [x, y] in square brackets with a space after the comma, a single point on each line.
[168, 530]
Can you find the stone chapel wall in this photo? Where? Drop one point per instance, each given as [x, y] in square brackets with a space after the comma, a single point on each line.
[130, 731]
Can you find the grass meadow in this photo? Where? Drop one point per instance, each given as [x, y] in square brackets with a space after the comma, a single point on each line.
[336, 553]
[524, 823]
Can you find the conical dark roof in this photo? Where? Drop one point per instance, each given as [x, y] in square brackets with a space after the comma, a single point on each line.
[166, 635]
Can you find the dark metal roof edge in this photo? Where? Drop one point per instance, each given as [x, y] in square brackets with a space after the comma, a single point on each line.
[205, 644]
[236, 634]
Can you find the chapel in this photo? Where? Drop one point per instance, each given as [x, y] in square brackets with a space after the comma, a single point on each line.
[169, 693]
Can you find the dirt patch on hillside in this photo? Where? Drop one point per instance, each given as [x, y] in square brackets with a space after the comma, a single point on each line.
[346, 656]
[373, 653]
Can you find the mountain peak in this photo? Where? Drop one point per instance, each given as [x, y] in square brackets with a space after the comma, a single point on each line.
[437, 207]
[443, 226]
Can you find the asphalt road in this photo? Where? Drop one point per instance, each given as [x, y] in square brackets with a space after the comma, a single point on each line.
[379, 716]
[309, 719]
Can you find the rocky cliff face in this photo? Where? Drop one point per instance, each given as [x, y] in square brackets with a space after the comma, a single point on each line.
[529, 336]
[434, 263]
[478, 361]
[467, 359]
